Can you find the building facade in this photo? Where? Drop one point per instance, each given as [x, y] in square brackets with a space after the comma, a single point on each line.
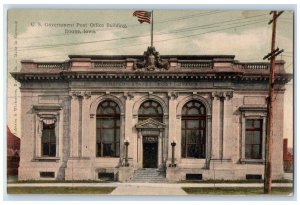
[187, 115]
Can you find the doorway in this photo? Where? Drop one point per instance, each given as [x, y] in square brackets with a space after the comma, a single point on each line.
[150, 152]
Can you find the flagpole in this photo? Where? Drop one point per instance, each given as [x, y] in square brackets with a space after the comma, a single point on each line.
[152, 30]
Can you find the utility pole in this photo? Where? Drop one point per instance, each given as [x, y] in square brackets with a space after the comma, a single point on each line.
[269, 137]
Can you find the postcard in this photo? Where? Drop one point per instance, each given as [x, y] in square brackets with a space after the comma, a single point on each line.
[150, 102]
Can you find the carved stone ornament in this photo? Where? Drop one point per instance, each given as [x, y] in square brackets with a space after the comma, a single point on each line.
[223, 95]
[150, 124]
[128, 95]
[76, 94]
[87, 94]
[151, 61]
[173, 95]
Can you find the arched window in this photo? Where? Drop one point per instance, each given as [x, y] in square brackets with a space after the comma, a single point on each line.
[108, 129]
[150, 109]
[193, 130]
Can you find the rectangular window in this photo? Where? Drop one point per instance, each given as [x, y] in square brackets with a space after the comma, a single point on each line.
[253, 176]
[192, 138]
[48, 140]
[47, 174]
[193, 176]
[103, 176]
[108, 137]
[253, 146]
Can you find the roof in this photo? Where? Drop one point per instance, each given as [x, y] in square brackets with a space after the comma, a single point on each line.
[150, 65]
[124, 57]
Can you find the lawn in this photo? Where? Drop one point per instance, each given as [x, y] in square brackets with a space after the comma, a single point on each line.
[60, 190]
[57, 181]
[234, 181]
[236, 191]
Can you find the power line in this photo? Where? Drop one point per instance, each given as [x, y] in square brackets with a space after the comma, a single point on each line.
[220, 22]
[77, 43]
[192, 16]
[187, 36]
[168, 39]
[53, 45]
[134, 25]
[108, 40]
[133, 45]
[213, 26]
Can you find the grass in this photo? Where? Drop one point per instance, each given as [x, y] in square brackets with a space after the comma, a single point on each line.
[60, 190]
[235, 181]
[236, 191]
[58, 181]
[108, 190]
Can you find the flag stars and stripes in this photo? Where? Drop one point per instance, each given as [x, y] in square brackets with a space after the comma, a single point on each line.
[143, 16]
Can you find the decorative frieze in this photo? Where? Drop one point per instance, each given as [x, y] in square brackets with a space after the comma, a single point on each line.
[198, 75]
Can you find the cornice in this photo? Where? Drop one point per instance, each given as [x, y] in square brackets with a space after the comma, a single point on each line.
[198, 76]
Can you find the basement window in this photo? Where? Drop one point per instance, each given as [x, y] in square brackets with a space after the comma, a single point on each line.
[193, 176]
[253, 176]
[47, 174]
[104, 176]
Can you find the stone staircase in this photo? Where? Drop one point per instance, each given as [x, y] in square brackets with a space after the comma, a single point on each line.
[148, 175]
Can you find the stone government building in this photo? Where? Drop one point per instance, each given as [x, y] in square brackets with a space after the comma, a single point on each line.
[184, 116]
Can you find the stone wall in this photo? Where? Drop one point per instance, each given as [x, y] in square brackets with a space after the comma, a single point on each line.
[72, 99]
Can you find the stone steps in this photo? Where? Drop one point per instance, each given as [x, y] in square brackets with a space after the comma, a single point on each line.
[148, 176]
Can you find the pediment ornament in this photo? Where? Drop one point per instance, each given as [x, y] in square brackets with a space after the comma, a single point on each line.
[150, 123]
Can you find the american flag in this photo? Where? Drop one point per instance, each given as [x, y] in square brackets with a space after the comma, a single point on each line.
[143, 16]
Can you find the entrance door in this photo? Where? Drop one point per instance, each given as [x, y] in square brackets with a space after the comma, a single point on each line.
[150, 152]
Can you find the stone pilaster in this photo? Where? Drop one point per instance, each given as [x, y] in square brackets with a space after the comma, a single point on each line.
[74, 124]
[227, 126]
[172, 125]
[160, 149]
[86, 142]
[222, 132]
[128, 127]
[140, 149]
[215, 138]
[221, 126]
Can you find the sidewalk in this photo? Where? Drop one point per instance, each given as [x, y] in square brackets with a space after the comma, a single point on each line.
[148, 189]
